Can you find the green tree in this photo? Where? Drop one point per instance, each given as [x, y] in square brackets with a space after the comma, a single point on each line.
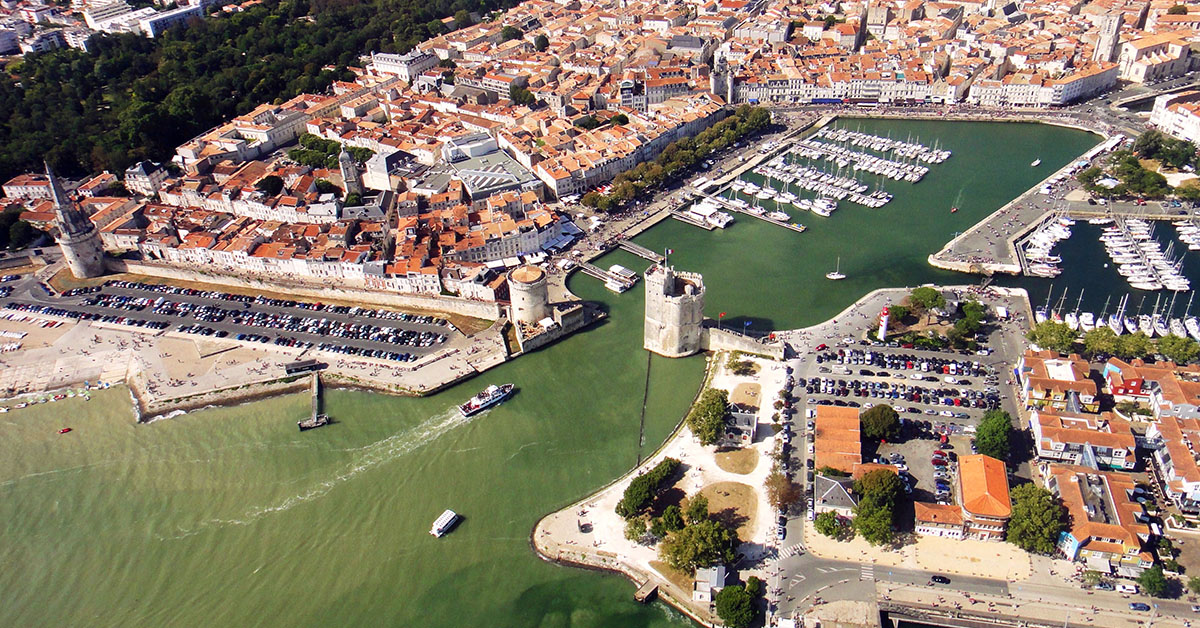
[834, 527]
[1100, 340]
[700, 544]
[521, 96]
[1037, 519]
[1193, 584]
[881, 486]
[874, 524]
[1053, 336]
[898, 312]
[1153, 582]
[735, 606]
[672, 518]
[1136, 345]
[782, 492]
[642, 490]
[992, 435]
[271, 185]
[1091, 577]
[926, 298]
[509, 33]
[541, 43]
[880, 423]
[754, 586]
[707, 418]
[20, 234]
[1179, 350]
[697, 509]
[463, 19]
[1177, 9]
[326, 187]
[635, 529]
[620, 119]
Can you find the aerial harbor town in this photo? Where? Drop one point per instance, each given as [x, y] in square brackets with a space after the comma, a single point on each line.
[731, 313]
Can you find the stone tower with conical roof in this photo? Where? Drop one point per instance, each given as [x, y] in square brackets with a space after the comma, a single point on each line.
[77, 235]
[351, 178]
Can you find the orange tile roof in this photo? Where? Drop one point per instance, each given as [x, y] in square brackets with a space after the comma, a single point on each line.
[984, 486]
[937, 513]
[836, 440]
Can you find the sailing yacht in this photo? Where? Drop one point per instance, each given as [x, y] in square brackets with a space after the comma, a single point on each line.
[1087, 321]
[836, 274]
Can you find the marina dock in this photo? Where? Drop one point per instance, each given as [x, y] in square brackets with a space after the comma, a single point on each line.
[724, 203]
[684, 218]
[640, 251]
[593, 270]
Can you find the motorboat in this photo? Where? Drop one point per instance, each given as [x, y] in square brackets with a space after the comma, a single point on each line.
[444, 523]
[64, 430]
[1036, 163]
[487, 398]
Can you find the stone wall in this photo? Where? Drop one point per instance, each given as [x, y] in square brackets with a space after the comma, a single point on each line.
[455, 305]
[722, 340]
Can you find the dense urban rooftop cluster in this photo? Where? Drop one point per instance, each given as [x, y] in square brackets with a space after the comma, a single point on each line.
[469, 132]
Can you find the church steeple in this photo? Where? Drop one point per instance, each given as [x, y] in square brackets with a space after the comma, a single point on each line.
[71, 221]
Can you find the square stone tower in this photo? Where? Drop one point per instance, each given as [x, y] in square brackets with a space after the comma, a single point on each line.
[674, 312]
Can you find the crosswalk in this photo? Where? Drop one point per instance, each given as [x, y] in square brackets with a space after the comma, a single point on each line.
[867, 572]
[788, 552]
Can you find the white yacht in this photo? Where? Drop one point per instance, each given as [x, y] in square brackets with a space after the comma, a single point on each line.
[1036, 162]
[836, 273]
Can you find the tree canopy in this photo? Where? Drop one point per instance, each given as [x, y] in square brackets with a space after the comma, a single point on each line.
[1136, 345]
[926, 298]
[880, 422]
[1101, 340]
[833, 526]
[642, 490]
[1153, 582]
[992, 435]
[1053, 336]
[878, 491]
[1038, 517]
[697, 509]
[781, 490]
[735, 606]
[707, 418]
[1179, 350]
[700, 544]
[131, 97]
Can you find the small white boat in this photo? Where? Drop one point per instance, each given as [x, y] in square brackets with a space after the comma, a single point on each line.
[1036, 162]
[836, 273]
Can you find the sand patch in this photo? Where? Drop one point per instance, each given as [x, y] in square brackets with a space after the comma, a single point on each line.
[740, 461]
[734, 504]
[747, 395]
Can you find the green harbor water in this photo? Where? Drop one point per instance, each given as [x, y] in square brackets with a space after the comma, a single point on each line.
[230, 517]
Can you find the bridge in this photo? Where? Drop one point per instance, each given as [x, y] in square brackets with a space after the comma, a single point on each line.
[640, 251]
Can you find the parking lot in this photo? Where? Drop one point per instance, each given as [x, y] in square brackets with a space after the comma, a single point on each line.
[349, 330]
[924, 384]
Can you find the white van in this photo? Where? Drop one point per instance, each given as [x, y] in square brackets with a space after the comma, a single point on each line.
[1127, 588]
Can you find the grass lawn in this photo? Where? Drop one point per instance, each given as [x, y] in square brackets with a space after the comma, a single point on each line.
[733, 504]
[676, 577]
[741, 461]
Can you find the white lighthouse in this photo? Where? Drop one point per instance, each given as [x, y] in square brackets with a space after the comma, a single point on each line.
[883, 322]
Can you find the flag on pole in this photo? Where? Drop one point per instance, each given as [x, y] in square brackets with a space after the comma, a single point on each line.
[670, 251]
[722, 315]
[746, 324]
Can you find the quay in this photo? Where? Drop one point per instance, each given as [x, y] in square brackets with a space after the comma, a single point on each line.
[640, 251]
[990, 246]
[593, 270]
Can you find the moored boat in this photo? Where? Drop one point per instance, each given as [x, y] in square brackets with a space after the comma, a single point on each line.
[444, 523]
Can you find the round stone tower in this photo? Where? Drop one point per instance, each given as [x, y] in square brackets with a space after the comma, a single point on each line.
[529, 294]
[78, 237]
[674, 312]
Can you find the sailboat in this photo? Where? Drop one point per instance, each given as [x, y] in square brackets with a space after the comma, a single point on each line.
[836, 274]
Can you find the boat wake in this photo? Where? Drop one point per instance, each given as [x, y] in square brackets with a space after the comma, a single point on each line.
[522, 448]
[370, 456]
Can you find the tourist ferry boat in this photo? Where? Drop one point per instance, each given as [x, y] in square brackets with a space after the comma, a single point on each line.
[313, 422]
[490, 396]
[444, 523]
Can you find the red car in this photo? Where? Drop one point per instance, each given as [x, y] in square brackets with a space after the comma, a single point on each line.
[822, 347]
[939, 462]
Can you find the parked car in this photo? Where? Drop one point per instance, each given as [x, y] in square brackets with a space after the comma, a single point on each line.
[940, 579]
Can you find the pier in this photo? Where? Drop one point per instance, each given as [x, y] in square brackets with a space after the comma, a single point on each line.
[640, 251]
[315, 390]
[646, 592]
[593, 270]
[724, 202]
[684, 218]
